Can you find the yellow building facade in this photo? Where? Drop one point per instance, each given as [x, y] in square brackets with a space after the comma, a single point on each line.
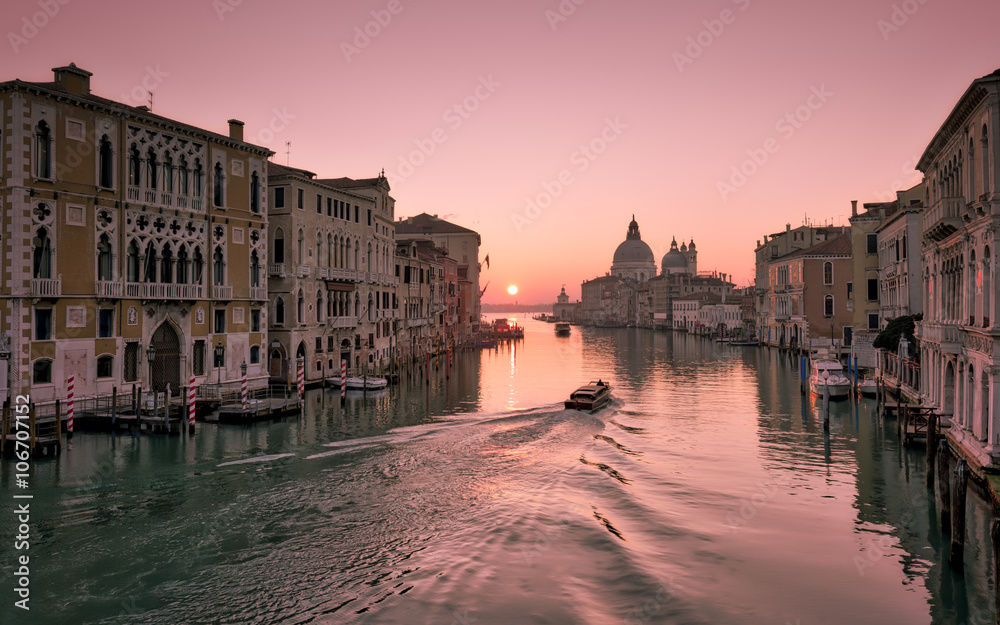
[123, 230]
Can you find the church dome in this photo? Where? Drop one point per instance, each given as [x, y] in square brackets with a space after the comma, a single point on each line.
[633, 249]
[674, 259]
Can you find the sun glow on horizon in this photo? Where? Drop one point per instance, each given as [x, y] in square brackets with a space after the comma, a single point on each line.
[512, 289]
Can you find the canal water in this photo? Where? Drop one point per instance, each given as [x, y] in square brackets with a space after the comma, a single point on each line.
[706, 493]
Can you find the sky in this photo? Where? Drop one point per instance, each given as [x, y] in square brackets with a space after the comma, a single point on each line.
[545, 125]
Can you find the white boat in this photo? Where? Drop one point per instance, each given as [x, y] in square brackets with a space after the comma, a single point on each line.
[835, 381]
[868, 387]
[360, 384]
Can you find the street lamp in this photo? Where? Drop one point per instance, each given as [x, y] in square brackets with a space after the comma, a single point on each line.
[150, 357]
[220, 354]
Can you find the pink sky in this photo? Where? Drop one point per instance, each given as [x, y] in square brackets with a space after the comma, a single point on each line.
[889, 72]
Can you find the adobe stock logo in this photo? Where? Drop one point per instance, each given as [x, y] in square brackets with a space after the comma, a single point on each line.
[787, 126]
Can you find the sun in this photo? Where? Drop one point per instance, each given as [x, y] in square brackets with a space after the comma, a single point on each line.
[512, 289]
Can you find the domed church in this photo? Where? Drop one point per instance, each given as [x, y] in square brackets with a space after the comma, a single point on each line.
[633, 258]
[683, 260]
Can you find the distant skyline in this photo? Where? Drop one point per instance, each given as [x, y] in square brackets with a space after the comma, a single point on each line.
[545, 125]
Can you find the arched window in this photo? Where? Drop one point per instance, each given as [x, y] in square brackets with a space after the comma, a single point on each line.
[134, 166]
[218, 266]
[198, 176]
[972, 171]
[149, 275]
[828, 306]
[279, 311]
[357, 305]
[319, 306]
[300, 309]
[828, 273]
[41, 266]
[182, 265]
[168, 174]
[151, 181]
[300, 253]
[975, 284]
[986, 160]
[198, 267]
[368, 259]
[331, 254]
[166, 265]
[132, 262]
[217, 177]
[278, 248]
[255, 192]
[371, 308]
[43, 150]
[320, 258]
[254, 269]
[182, 176]
[104, 264]
[107, 162]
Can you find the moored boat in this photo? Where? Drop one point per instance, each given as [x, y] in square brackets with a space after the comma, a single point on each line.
[360, 384]
[834, 381]
[868, 387]
[589, 397]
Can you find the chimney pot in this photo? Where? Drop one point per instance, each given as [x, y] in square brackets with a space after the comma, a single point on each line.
[235, 130]
[854, 208]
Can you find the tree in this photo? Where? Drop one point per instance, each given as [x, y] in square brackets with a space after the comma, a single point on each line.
[899, 327]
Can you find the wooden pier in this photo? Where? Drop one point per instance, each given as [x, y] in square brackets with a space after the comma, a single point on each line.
[273, 402]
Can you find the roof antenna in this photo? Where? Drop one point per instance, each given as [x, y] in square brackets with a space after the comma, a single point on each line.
[288, 152]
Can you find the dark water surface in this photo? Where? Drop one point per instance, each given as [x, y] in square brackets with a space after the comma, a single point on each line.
[707, 493]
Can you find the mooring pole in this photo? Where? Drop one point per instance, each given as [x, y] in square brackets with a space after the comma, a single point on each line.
[957, 558]
[944, 485]
[931, 448]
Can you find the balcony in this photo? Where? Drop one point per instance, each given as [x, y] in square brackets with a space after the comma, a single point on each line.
[322, 273]
[277, 270]
[108, 289]
[347, 275]
[159, 290]
[947, 335]
[155, 197]
[46, 287]
[303, 270]
[221, 292]
[258, 293]
[343, 322]
[943, 218]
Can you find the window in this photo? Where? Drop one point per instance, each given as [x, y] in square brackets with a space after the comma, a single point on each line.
[873, 321]
[105, 366]
[218, 267]
[198, 358]
[872, 243]
[255, 192]
[774, 251]
[217, 188]
[255, 354]
[828, 306]
[151, 179]
[182, 265]
[872, 289]
[357, 213]
[850, 290]
[279, 246]
[41, 254]
[904, 247]
[106, 176]
[255, 320]
[198, 174]
[41, 371]
[279, 197]
[130, 368]
[182, 176]
[369, 216]
[279, 311]
[319, 344]
[301, 198]
[104, 258]
[329, 207]
[220, 320]
[254, 269]
[168, 174]
[105, 322]
[828, 273]
[319, 204]
[43, 150]
[43, 324]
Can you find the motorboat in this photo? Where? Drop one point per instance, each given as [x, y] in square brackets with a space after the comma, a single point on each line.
[589, 397]
[828, 374]
[868, 387]
[360, 384]
[562, 329]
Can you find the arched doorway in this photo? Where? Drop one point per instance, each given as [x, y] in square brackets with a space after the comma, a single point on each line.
[948, 400]
[167, 360]
[276, 367]
[345, 351]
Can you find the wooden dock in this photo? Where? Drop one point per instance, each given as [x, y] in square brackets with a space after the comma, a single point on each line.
[262, 405]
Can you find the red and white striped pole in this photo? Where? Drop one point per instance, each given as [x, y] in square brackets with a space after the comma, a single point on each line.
[302, 377]
[243, 394]
[343, 380]
[191, 403]
[70, 383]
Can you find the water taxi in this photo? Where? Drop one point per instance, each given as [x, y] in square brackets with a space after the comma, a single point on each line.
[834, 381]
[590, 397]
[562, 329]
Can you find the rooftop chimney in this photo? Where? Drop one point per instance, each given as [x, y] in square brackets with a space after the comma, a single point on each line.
[73, 79]
[236, 130]
[854, 208]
